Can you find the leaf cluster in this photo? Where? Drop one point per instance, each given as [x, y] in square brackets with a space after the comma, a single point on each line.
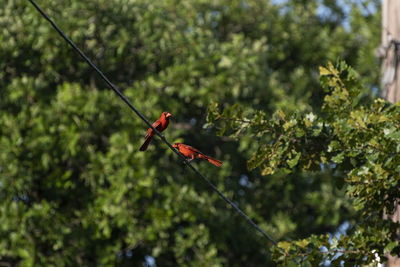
[356, 138]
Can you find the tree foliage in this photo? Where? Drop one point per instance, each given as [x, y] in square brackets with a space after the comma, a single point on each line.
[74, 189]
[355, 137]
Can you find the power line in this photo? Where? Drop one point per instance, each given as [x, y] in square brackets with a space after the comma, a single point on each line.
[123, 97]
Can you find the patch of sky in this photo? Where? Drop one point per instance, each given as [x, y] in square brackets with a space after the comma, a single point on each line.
[149, 261]
[323, 11]
[341, 230]
[244, 181]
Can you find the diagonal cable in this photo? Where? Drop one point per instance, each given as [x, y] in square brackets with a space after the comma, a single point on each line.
[123, 97]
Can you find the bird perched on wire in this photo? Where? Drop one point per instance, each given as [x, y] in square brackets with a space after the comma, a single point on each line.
[193, 153]
[161, 124]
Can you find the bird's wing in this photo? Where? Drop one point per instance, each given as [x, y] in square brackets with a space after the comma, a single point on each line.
[193, 149]
[156, 124]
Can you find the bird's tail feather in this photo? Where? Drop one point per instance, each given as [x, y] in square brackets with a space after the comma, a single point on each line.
[145, 144]
[216, 162]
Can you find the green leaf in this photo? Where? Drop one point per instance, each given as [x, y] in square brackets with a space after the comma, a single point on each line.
[389, 247]
[324, 71]
[302, 243]
[338, 158]
[293, 162]
[285, 245]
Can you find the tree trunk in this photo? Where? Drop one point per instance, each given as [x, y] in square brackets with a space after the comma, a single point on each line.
[391, 75]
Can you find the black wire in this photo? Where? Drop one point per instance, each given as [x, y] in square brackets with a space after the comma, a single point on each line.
[149, 124]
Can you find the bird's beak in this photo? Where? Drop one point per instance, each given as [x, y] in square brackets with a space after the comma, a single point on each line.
[169, 115]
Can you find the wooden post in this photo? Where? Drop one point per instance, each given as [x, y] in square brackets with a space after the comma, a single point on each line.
[390, 49]
[391, 75]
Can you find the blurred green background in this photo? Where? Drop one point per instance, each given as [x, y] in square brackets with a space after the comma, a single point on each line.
[75, 190]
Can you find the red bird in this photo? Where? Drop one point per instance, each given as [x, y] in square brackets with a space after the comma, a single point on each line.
[161, 124]
[193, 153]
